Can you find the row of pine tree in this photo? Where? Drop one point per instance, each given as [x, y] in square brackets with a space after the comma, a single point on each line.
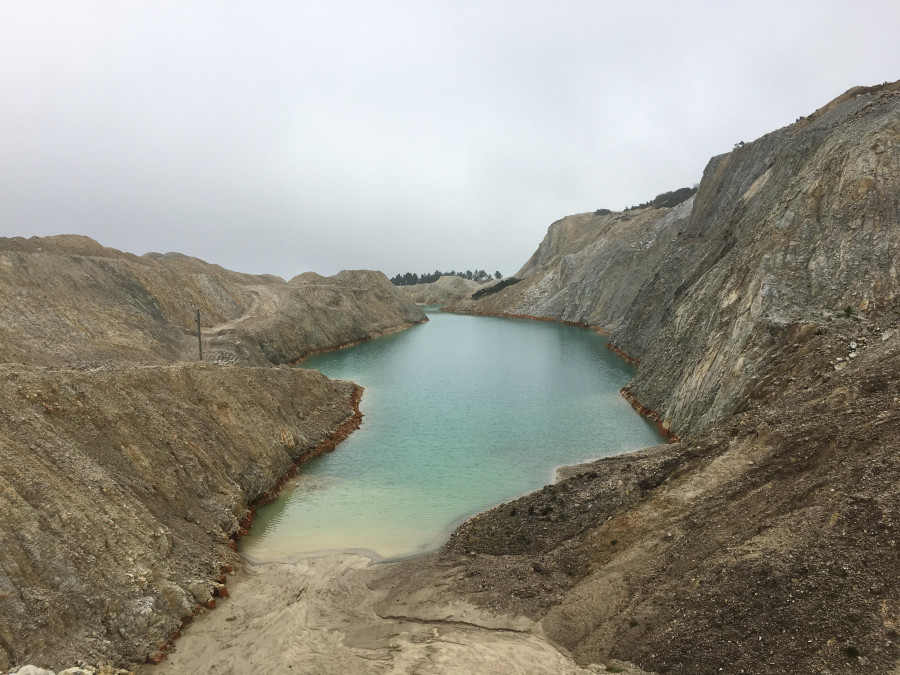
[411, 278]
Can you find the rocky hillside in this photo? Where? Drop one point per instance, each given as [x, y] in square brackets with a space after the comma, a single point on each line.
[126, 470]
[765, 317]
[122, 487]
[785, 234]
[68, 300]
[443, 291]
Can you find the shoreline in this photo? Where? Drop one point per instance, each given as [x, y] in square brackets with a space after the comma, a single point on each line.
[650, 414]
[351, 424]
[330, 615]
[352, 343]
[507, 315]
[333, 613]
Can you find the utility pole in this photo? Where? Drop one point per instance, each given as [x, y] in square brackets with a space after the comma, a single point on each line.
[199, 338]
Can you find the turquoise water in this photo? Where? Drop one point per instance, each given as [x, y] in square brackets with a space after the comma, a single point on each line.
[461, 413]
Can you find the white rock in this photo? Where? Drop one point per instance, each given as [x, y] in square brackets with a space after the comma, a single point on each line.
[33, 670]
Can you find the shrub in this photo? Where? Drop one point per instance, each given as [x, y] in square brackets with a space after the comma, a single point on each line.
[667, 199]
[499, 286]
[674, 198]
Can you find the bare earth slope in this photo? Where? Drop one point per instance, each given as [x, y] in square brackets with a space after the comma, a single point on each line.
[121, 487]
[66, 299]
[125, 472]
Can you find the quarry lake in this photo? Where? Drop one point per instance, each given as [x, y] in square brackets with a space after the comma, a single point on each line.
[461, 414]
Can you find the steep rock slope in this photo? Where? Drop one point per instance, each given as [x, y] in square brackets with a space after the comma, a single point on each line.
[125, 473]
[589, 268]
[783, 234]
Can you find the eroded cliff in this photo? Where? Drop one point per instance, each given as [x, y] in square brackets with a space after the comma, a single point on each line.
[764, 314]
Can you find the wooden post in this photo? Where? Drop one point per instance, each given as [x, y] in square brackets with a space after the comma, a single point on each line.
[199, 339]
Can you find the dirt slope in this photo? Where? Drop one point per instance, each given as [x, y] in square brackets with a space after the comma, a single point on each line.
[125, 472]
[68, 300]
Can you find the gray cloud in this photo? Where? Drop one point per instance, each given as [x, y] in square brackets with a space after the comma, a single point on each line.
[281, 136]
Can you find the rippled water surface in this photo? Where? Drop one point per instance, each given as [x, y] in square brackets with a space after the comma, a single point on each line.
[461, 413]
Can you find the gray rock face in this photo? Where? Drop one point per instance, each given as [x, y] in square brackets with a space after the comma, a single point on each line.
[784, 234]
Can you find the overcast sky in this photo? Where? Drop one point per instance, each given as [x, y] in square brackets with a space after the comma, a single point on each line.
[402, 136]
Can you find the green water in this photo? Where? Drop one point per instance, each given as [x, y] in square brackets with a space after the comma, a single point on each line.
[461, 413]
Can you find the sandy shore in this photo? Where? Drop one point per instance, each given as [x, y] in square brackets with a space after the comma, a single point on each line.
[321, 616]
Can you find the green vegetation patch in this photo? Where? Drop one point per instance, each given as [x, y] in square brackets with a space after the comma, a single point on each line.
[481, 292]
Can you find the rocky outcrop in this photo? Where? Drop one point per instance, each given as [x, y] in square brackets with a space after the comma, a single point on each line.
[589, 269]
[443, 291]
[126, 473]
[785, 234]
[84, 669]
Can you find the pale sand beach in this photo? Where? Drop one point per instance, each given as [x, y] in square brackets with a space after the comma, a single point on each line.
[319, 616]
